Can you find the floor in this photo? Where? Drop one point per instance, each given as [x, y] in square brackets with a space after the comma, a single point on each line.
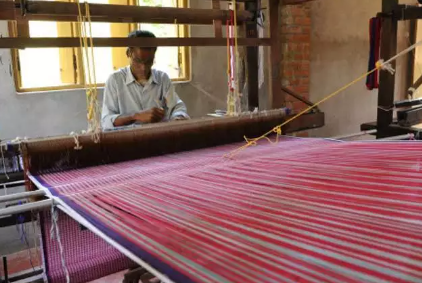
[19, 245]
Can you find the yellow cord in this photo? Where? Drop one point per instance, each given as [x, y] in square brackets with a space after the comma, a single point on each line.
[277, 129]
[91, 85]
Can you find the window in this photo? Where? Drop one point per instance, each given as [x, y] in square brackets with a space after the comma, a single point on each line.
[39, 69]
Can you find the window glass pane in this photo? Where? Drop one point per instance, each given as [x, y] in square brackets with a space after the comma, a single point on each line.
[167, 58]
[40, 67]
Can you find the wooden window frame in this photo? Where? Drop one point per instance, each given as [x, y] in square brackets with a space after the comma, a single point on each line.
[20, 28]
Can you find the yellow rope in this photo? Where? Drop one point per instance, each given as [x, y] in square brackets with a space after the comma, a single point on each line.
[277, 129]
[90, 81]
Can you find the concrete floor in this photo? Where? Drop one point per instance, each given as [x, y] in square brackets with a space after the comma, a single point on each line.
[20, 252]
[10, 237]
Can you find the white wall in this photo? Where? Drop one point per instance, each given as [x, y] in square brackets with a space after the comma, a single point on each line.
[339, 54]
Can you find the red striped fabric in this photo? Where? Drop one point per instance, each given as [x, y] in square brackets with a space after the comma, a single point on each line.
[301, 210]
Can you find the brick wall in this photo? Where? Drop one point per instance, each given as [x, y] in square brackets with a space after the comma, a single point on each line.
[295, 43]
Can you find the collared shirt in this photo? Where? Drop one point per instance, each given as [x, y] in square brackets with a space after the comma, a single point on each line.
[123, 95]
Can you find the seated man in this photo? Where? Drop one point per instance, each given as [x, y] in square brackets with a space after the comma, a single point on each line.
[138, 94]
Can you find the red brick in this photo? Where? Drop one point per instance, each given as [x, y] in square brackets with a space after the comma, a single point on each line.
[287, 72]
[298, 38]
[303, 90]
[304, 21]
[301, 56]
[296, 11]
[298, 105]
[304, 81]
[301, 72]
[289, 29]
[306, 29]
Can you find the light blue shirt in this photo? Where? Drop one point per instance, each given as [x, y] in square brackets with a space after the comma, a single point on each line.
[123, 95]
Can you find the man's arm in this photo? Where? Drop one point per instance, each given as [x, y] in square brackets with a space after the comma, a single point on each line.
[148, 116]
[110, 110]
[176, 107]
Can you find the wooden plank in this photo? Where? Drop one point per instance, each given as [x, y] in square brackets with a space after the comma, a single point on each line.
[407, 12]
[218, 25]
[124, 42]
[277, 96]
[411, 57]
[252, 59]
[141, 14]
[7, 10]
[386, 80]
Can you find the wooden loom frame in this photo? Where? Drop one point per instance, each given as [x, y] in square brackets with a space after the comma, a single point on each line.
[23, 10]
[392, 12]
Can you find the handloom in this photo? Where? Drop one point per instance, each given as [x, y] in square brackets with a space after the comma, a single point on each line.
[300, 210]
[57, 154]
[308, 210]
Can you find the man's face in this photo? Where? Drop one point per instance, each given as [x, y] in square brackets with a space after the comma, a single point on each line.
[142, 59]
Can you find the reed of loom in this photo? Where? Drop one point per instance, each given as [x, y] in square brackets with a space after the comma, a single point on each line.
[59, 153]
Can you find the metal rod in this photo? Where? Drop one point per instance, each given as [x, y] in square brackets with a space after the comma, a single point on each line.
[395, 138]
[6, 275]
[21, 195]
[12, 183]
[26, 207]
[363, 133]
[298, 97]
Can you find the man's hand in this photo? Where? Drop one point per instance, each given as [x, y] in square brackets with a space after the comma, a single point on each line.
[179, 118]
[149, 116]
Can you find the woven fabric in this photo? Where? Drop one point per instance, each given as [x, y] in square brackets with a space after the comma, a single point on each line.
[301, 210]
[87, 256]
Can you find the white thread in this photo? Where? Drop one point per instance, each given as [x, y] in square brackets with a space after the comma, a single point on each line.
[386, 109]
[4, 163]
[55, 228]
[386, 66]
[76, 138]
[5, 193]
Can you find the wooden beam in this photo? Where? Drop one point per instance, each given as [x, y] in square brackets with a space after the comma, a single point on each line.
[277, 96]
[124, 42]
[411, 57]
[120, 13]
[7, 10]
[252, 59]
[407, 12]
[387, 80]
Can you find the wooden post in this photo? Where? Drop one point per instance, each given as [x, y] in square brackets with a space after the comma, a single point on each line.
[218, 24]
[411, 57]
[252, 58]
[387, 80]
[276, 95]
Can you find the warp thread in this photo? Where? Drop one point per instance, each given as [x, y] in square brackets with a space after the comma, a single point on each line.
[54, 233]
[381, 64]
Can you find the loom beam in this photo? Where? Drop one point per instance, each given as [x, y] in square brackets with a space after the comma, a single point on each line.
[26, 207]
[19, 196]
[47, 42]
[62, 11]
[58, 153]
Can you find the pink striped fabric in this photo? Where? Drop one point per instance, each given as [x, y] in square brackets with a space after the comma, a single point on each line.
[87, 256]
[301, 210]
